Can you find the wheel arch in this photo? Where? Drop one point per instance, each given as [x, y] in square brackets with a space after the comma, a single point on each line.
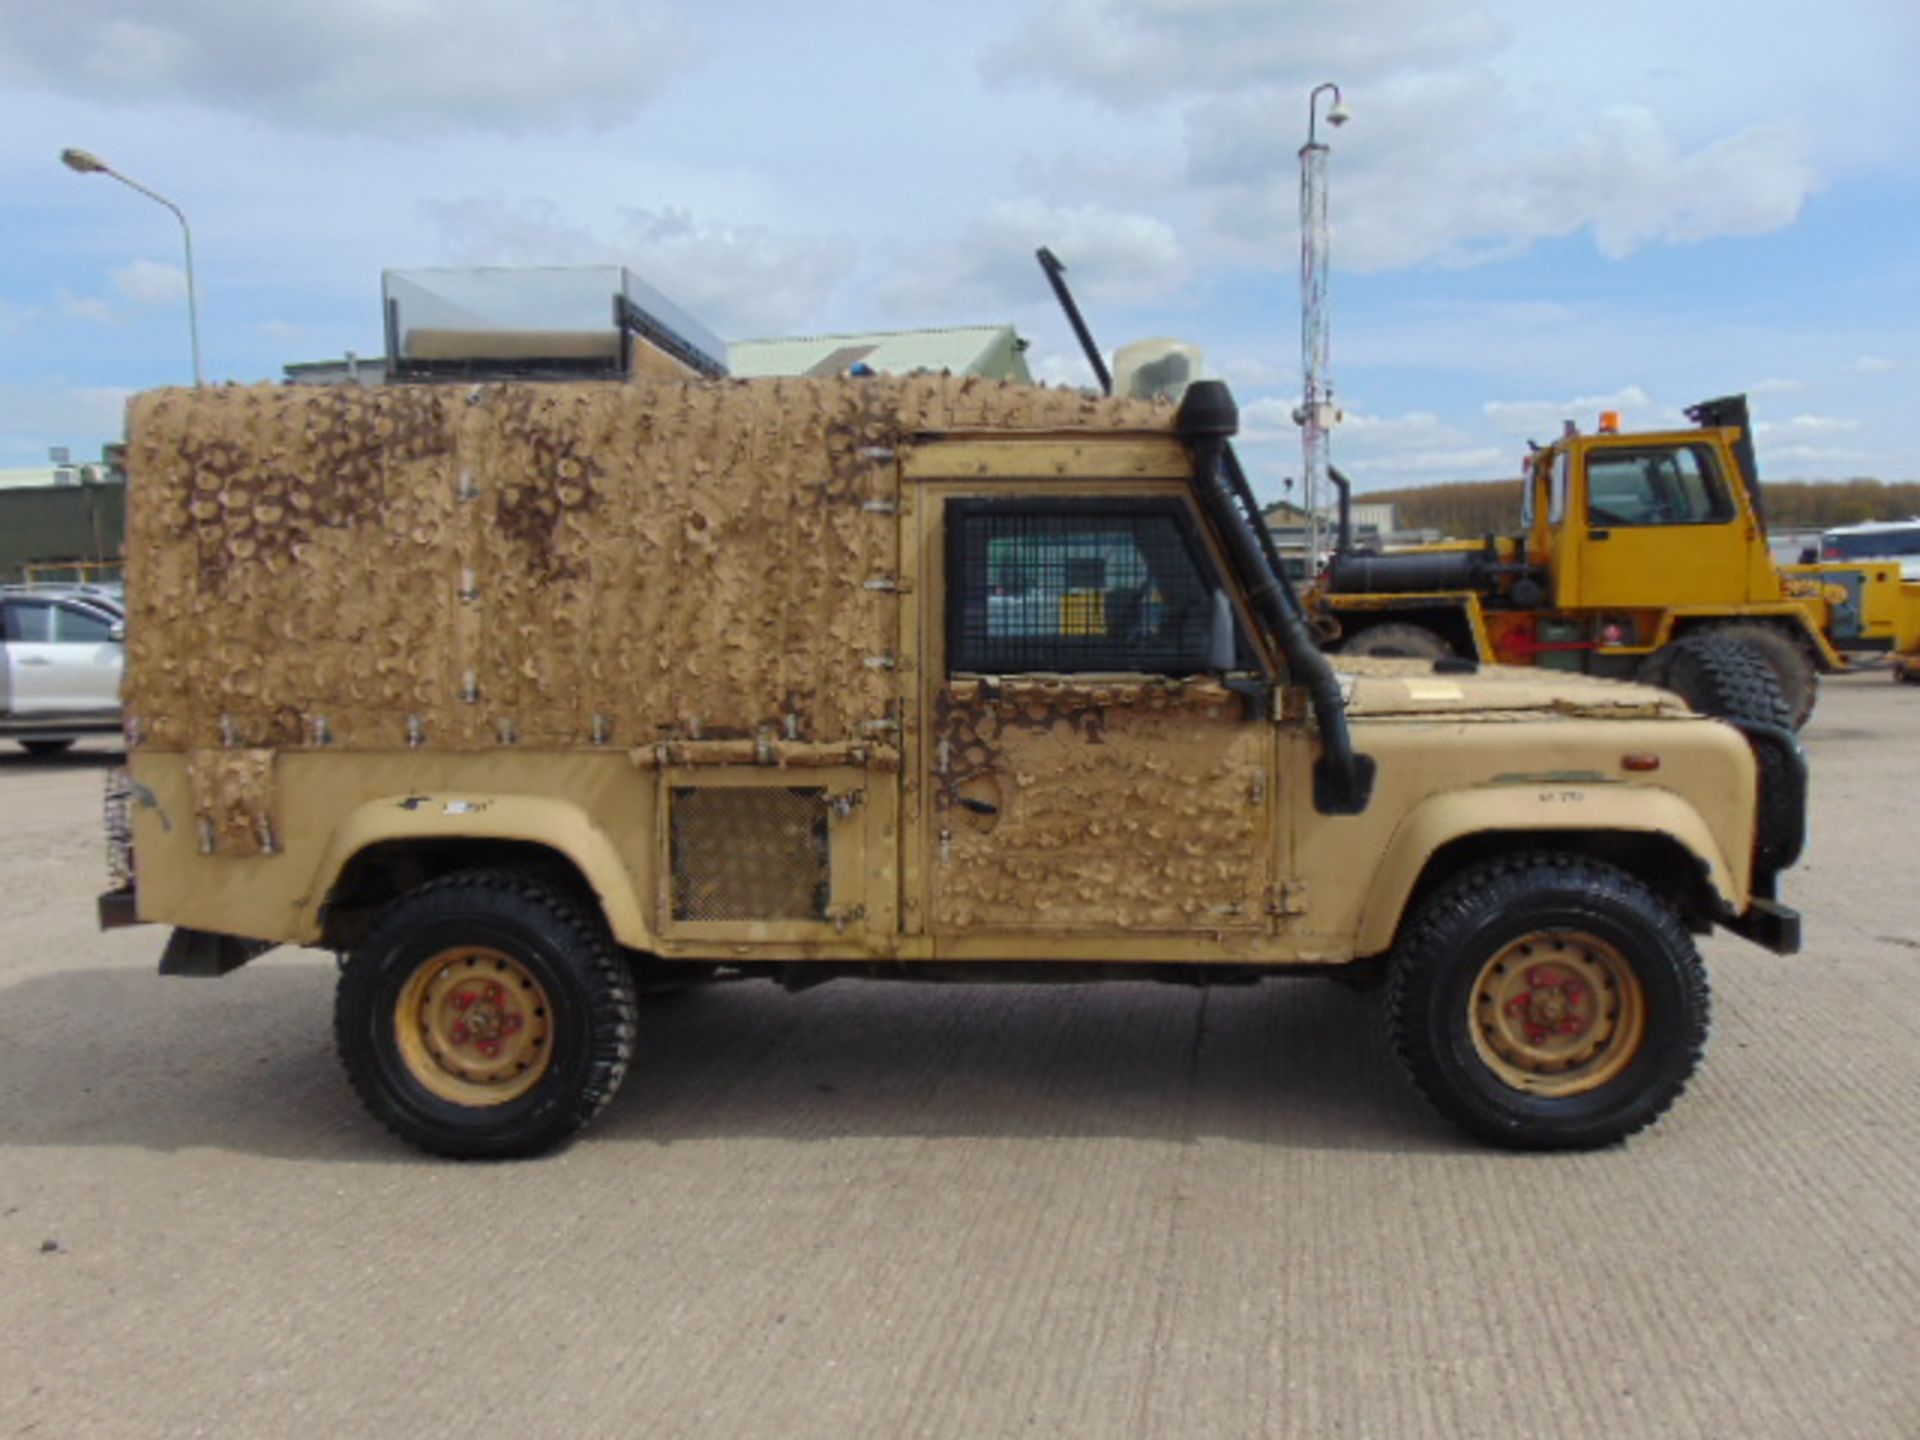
[1656, 837]
[389, 846]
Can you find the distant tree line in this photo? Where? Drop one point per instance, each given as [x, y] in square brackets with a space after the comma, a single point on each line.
[1474, 507]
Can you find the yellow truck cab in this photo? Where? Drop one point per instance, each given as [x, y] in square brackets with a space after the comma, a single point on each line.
[1636, 553]
[532, 698]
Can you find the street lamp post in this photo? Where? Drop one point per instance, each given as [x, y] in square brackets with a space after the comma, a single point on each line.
[1316, 413]
[84, 163]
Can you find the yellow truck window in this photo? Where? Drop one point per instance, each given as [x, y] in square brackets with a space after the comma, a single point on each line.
[1663, 485]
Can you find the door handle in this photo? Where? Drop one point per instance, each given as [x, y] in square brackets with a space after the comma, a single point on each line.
[33, 660]
[1599, 534]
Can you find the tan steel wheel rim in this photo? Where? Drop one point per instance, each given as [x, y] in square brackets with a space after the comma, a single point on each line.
[474, 1026]
[1558, 1012]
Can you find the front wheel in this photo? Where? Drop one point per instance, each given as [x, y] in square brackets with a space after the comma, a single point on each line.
[485, 1016]
[1551, 1002]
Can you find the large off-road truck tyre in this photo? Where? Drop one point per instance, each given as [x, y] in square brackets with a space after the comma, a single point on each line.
[1719, 677]
[1792, 663]
[1399, 641]
[46, 747]
[1548, 1002]
[485, 1016]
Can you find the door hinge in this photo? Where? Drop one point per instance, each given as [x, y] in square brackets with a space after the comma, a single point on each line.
[1287, 898]
[845, 915]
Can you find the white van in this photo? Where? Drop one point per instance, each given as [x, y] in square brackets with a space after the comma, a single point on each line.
[1877, 540]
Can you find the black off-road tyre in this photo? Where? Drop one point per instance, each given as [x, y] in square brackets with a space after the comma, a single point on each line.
[477, 960]
[46, 747]
[1398, 641]
[1719, 677]
[1508, 974]
[1793, 665]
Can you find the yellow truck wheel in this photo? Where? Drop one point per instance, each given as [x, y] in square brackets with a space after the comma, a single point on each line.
[1791, 662]
[485, 1016]
[1547, 1002]
[1719, 677]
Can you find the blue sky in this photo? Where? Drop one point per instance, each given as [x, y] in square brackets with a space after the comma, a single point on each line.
[1539, 209]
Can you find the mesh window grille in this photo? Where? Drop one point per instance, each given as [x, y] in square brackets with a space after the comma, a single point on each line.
[1041, 586]
[750, 853]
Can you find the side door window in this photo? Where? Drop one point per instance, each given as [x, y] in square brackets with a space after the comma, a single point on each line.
[30, 622]
[1671, 485]
[1047, 587]
[74, 625]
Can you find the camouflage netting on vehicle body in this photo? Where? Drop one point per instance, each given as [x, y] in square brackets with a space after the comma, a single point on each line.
[1152, 822]
[541, 565]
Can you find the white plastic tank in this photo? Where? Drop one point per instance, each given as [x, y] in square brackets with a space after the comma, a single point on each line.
[1157, 369]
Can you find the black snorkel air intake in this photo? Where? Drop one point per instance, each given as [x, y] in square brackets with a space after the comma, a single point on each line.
[1342, 780]
[1208, 420]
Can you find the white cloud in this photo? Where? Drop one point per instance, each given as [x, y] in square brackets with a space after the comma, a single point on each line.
[1114, 258]
[1376, 450]
[1130, 53]
[1457, 153]
[88, 307]
[282, 330]
[742, 282]
[1823, 456]
[1543, 419]
[1455, 170]
[1776, 385]
[1806, 425]
[146, 282]
[1875, 365]
[1058, 367]
[497, 65]
[1249, 372]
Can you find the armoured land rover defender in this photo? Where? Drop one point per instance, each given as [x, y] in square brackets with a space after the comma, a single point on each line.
[528, 698]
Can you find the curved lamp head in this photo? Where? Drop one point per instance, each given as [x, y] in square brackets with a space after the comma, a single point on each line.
[82, 161]
[1339, 114]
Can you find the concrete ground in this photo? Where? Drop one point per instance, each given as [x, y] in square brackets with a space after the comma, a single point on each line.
[888, 1211]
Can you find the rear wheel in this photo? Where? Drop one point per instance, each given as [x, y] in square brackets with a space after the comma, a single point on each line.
[485, 1016]
[1551, 1002]
[1720, 677]
[1413, 642]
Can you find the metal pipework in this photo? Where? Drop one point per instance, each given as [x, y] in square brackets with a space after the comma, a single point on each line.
[1342, 780]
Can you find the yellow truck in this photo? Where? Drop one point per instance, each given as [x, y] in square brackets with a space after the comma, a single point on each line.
[1635, 554]
[532, 699]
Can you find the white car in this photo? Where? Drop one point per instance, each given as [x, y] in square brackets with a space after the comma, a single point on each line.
[61, 676]
[1877, 540]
